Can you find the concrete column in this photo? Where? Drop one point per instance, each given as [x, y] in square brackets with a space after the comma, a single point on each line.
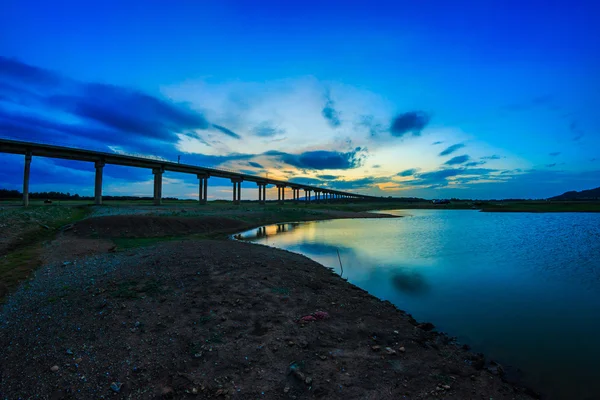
[202, 187]
[26, 173]
[205, 187]
[98, 183]
[264, 189]
[157, 186]
[234, 191]
[283, 194]
[239, 194]
[260, 199]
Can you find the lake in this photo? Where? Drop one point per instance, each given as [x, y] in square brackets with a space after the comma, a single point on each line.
[522, 288]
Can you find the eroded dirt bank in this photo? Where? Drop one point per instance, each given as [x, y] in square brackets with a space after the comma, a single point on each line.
[221, 319]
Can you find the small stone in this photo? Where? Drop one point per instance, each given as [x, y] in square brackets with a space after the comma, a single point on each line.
[396, 332]
[194, 390]
[402, 349]
[70, 352]
[286, 389]
[323, 358]
[291, 343]
[198, 355]
[54, 368]
[308, 380]
[447, 387]
[166, 391]
[375, 348]
[116, 387]
[78, 360]
[390, 351]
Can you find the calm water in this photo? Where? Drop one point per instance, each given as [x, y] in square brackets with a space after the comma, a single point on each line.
[522, 288]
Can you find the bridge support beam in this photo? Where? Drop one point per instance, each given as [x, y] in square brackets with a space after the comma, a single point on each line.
[237, 191]
[98, 183]
[307, 195]
[281, 194]
[202, 188]
[158, 172]
[26, 172]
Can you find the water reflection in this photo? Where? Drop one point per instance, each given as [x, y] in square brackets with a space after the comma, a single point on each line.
[512, 285]
[410, 281]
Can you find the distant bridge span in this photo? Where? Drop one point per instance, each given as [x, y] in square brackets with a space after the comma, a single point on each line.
[158, 166]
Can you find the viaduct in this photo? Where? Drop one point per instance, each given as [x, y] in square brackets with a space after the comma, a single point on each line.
[158, 167]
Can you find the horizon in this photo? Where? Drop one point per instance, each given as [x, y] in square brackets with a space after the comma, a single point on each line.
[469, 100]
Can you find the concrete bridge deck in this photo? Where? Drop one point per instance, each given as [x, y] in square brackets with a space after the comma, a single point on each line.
[158, 166]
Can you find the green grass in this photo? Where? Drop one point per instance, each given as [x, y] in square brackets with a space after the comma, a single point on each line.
[543, 206]
[23, 257]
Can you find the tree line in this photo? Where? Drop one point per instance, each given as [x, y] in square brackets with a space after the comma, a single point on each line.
[15, 194]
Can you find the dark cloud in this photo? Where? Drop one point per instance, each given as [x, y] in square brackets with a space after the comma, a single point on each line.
[356, 183]
[410, 122]
[37, 102]
[328, 177]
[265, 129]
[436, 143]
[475, 163]
[305, 180]
[551, 165]
[408, 172]
[226, 131]
[554, 154]
[321, 159]
[492, 157]
[458, 160]
[255, 164]
[330, 113]
[440, 177]
[451, 149]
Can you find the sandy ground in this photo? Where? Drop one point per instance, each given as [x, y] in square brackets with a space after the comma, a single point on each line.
[216, 319]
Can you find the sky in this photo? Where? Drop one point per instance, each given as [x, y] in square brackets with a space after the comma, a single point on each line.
[435, 99]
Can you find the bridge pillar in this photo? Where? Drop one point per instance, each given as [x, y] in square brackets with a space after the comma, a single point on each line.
[26, 173]
[281, 194]
[98, 183]
[307, 195]
[264, 196]
[237, 190]
[202, 187]
[158, 172]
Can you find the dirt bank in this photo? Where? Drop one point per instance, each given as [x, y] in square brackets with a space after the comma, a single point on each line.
[220, 319]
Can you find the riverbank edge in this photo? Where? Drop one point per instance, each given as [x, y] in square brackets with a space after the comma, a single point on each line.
[492, 365]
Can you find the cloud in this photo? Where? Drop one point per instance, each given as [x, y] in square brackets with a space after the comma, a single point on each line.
[408, 172]
[436, 143]
[440, 177]
[376, 166]
[330, 113]
[451, 149]
[322, 159]
[360, 183]
[492, 157]
[554, 154]
[577, 132]
[374, 128]
[305, 180]
[328, 177]
[458, 160]
[537, 101]
[551, 165]
[410, 122]
[265, 129]
[226, 131]
[475, 163]
[255, 164]
[38, 104]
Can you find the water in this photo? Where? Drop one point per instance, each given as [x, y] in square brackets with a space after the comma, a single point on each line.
[522, 288]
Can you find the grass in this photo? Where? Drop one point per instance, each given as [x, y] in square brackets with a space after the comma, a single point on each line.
[23, 256]
[543, 206]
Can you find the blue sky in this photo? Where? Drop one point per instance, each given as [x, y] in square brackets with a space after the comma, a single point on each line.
[471, 99]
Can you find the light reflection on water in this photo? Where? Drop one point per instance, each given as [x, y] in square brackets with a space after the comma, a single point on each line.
[522, 288]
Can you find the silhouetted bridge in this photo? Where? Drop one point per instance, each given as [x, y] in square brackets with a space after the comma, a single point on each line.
[158, 167]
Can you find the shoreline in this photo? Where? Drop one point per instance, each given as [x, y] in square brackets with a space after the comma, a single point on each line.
[312, 287]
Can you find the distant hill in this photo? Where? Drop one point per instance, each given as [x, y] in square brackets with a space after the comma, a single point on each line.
[592, 194]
